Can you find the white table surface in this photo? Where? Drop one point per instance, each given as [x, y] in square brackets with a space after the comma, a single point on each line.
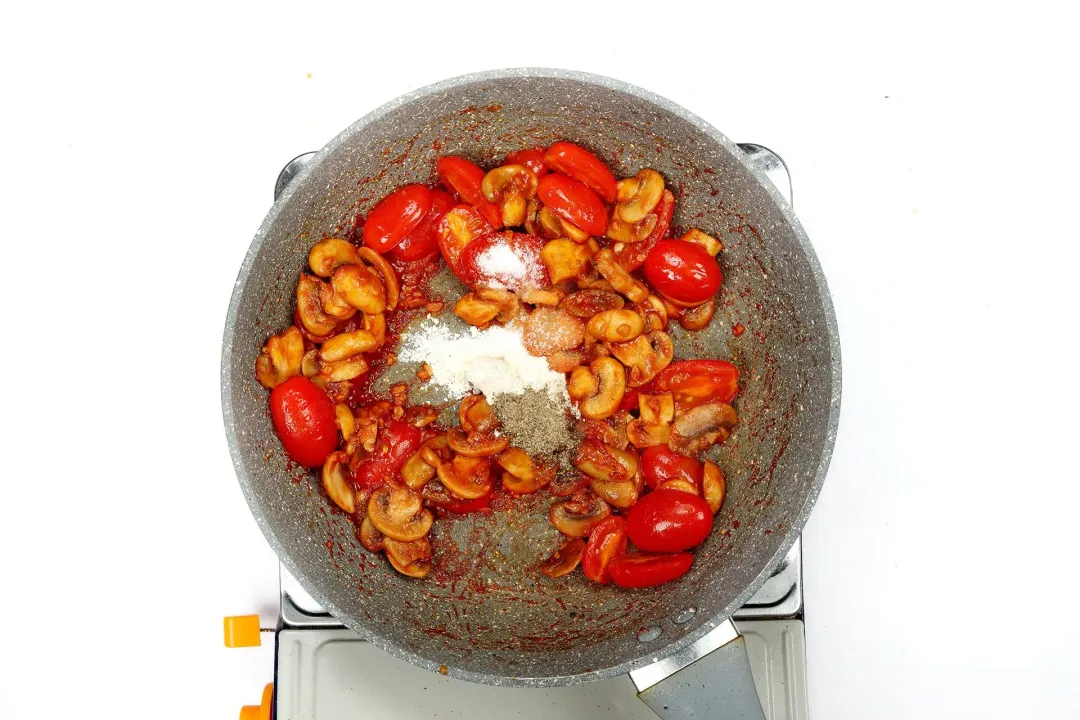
[934, 154]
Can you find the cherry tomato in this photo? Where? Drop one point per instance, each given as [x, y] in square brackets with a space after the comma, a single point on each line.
[660, 463]
[630, 399]
[395, 216]
[606, 541]
[580, 164]
[532, 159]
[464, 178]
[470, 506]
[695, 382]
[504, 259]
[460, 226]
[632, 255]
[396, 442]
[637, 570]
[424, 241]
[305, 421]
[682, 271]
[574, 202]
[668, 521]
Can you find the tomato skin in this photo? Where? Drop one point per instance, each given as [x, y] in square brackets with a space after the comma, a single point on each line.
[396, 442]
[682, 271]
[574, 202]
[532, 159]
[531, 271]
[630, 399]
[632, 255]
[695, 382]
[424, 240]
[638, 570]
[465, 178]
[395, 216]
[451, 245]
[660, 463]
[582, 165]
[606, 541]
[668, 521]
[305, 421]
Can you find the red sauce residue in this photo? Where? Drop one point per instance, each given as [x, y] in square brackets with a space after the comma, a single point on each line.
[738, 329]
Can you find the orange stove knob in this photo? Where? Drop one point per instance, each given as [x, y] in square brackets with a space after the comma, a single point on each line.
[243, 631]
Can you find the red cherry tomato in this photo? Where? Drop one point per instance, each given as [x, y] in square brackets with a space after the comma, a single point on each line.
[606, 541]
[460, 226]
[395, 443]
[669, 521]
[695, 382]
[630, 399]
[573, 201]
[637, 570]
[682, 271]
[395, 216]
[660, 463]
[424, 241]
[464, 178]
[532, 159]
[305, 421]
[470, 506]
[632, 255]
[504, 259]
[580, 164]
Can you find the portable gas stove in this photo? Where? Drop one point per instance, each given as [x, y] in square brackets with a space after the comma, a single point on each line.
[324, 671]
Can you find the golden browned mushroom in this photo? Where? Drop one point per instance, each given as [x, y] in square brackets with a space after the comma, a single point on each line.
[375, 323]
[475, 311]
[389, 279]
[476, 415]
[623, 282]
[466, 477]
[281, 358]
[399, 514]
[370, 537]
[343, 370]
[327, 255]
[586, 303]
[412, 559]
[621, 494]
[565, 559]
[548, 330]
[420, 467]
[680, 484]
[333, 304]
[698, 317]
[623, 232]
[510, 187]
[643, 435]
[615, 325]
[522, 474]
[346, 345]
[509, 307]
[540, 296]
[604, 462]
[611, 386]
[565, 259]
[577, 517]
[644, 356]
[654, 310]
[309, 366]
[702, 426]
[360, 287]
[309, 306]
[346, 422]
[477, 445]
[583, 383]
[656, 409]
[335, 482]
[711, 244]
[713, 486]
[552, 226]
[638, 196]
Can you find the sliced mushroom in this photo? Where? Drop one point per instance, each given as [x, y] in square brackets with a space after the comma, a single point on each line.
[510, 187]
[578, 516]
[622, 281]
[389, 279]
[309, 306]
[699, 316]
[623, 232]
[522, 474]
[420, 467]
[346, 422]
[539, 296]
[409, 558]
[643, 435]
[567, 483]
[702, 426]
[509, 307]
[611, 386]
[281, 358]
[565, 559]
[532, 218]
[713, 486]
[333, 304]
[336, 483]
[711, 244]
[644, 356]
[346, 345]
[421, 415]
[466, 477]
[656, 409]
[565, 259]
[459, 227]
[552, 226]
[565, 361]
[583, 383]
[477, 444]
[399, 513]
[654, 311]
[619, 325]
[476, 415]
[309, 366]
[680, 484]
[370, 537]
[375, 323]
[327, 255]
[475, 311]
[605, 462]
[549, 330]
[350, 369]
[360, 287]
[586, 303]
[637, 197]
[621, 494]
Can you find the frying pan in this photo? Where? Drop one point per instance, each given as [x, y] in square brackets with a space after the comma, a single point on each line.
[486, 614]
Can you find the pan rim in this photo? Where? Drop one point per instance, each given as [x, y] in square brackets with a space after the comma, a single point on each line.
[648, 655]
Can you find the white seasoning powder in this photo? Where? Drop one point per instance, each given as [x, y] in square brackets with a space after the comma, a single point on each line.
[501, 266]
[491, 361]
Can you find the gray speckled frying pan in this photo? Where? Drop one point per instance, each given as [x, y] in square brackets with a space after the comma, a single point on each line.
[485, 613]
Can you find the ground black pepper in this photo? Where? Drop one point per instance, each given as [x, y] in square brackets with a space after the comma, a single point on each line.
[539, 426]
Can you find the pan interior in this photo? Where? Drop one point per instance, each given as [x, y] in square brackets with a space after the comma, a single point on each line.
[486, 613]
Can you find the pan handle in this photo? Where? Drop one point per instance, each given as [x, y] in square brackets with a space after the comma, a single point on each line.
[709, 679]
[290, 171]
[772, 166]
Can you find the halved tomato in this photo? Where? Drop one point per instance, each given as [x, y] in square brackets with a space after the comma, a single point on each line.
[574, 202]
[532, 159]
[465, 179]
[459, 227]
[660, 463]
[424, 240]
[395, 216]
[669, 521]
[580, 164]
[504, 259]
[638, 570]
[695, 382]
[606, 542]
[683, 272]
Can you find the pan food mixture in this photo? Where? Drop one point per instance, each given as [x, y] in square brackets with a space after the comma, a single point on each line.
[558, 363]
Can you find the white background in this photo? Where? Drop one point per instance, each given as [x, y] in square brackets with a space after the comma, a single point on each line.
[934, 154]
